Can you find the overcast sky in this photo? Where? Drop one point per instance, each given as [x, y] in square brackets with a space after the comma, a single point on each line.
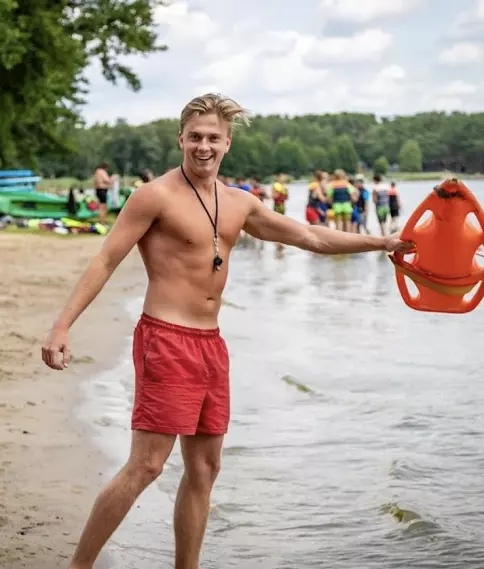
[308, 56]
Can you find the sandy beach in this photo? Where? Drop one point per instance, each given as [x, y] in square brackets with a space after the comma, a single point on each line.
[49, 470]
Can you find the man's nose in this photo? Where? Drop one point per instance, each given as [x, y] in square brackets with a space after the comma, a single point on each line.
[204, 144]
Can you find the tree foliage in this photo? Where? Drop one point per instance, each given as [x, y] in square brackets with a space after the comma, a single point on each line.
[410, 156]
[296, 145]
[45, 47]
[381, 165]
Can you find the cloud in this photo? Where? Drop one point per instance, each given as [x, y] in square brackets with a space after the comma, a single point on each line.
[181, 26]
[367, 45]
[388, 82]
[461, 53]
[364, 11]
[458, 88]
[452, 96]
[274, 57]
[447, 104]
[281, 62]
[470, 22]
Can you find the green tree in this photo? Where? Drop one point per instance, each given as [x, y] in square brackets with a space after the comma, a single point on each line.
[453, 141]
[174, 157]
[318, 158]
[410, 157]
[347, 154]
[381, 165]
[45, 47]
[334, 158]
[290, 157]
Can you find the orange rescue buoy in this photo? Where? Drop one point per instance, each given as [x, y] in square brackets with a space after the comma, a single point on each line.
[444, 267]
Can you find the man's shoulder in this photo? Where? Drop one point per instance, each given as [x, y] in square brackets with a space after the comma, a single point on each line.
[151, 195]
[241, 198]
[235, 193]
[158, 187]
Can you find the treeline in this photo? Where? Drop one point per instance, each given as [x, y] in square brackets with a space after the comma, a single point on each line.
[424, 142]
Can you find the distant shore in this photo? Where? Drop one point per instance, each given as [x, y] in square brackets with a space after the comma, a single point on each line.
[55, 185]
[424, 176]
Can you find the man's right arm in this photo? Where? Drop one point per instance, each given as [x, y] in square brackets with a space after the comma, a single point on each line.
[135, 219]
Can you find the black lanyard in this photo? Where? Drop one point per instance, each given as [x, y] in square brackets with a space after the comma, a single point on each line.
[217, 260]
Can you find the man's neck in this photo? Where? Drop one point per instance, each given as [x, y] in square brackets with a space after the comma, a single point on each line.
[205, 184]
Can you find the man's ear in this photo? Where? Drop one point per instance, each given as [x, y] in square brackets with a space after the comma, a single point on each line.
[229, 142]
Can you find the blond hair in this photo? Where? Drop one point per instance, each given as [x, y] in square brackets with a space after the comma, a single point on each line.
[227, 109]
[339, 174]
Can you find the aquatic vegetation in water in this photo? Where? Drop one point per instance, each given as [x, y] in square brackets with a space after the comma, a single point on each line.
[299, 386]
[401, 515]
[232, 305]
[413, 522]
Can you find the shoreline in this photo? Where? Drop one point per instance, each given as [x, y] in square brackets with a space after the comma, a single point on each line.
[51, 467]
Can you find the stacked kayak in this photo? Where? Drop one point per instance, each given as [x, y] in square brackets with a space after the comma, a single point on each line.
[19, 198]
[18, 181]
[37, 205]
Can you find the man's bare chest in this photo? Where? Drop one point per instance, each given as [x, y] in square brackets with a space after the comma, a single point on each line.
[190, 223]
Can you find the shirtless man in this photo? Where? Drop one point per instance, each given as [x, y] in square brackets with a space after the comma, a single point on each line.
[185, 224]
[102, 183]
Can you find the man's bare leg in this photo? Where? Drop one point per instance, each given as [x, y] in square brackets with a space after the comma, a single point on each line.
[201, 455]
[149, 452]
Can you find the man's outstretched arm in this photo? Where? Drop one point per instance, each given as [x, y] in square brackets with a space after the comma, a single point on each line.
[267, 225]
[134, 220]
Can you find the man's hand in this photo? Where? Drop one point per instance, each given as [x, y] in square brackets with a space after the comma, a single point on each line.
[56, 343]
[393, 243]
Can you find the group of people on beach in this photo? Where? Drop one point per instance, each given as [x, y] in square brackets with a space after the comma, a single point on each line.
[334, 200]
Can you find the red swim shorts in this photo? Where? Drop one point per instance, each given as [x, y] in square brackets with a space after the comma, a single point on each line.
[182, 379]
[312, 215]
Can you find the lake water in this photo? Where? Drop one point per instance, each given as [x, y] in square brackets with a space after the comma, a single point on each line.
[376, 462]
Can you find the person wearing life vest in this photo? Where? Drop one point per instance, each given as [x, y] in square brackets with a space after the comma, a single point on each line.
[325, 205]
[395, 206]
[316, 205]
[355, 216]
[242, 184]
[381, 201]
[362, 204]
[258, 190]
[280, 194]
[340, 193]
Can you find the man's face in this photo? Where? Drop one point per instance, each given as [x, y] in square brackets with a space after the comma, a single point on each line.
[204, 141]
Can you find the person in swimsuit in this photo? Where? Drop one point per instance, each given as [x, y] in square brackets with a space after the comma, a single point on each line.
[102, 183]
[258, 190]
[184, 224]
[315, 209]
[362, 204]
[355, 214]
[340, 193]
[381, 201]
[394, 205]
[280, 194]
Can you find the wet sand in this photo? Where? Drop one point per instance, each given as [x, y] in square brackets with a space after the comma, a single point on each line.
[49, 470]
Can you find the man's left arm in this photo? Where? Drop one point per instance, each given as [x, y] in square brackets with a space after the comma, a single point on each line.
[268, 225]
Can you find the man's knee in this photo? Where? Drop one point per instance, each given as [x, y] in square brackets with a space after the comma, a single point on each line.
[144, 470]
[203, 471]
[149, 453]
